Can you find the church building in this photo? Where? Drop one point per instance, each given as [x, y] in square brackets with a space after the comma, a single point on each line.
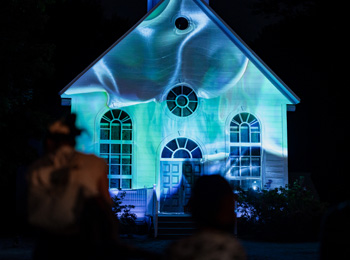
[180, 95]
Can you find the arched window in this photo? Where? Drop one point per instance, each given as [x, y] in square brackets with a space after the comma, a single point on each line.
[245, 152]
[116, 147]
[181, 148]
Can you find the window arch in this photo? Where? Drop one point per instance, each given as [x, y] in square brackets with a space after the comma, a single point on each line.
[116, 147]
[181, 148]
[245, 152]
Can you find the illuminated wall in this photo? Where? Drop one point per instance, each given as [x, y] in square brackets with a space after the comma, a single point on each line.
[140, 72]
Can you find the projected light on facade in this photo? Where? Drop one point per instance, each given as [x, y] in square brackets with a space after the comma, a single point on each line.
[179, 96]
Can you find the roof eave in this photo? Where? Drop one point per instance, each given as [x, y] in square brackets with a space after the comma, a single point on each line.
[251, 55]
[106, 51]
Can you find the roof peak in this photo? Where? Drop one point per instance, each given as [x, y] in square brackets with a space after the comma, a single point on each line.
[153, 3]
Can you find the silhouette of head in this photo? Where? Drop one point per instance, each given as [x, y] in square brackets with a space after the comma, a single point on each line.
[212, 203]
[62, 132]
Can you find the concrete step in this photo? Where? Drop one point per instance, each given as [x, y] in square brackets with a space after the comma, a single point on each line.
[172, 227]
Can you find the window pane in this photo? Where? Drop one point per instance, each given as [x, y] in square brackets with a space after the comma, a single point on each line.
[244, 133]
[177, 90]
[108, 115]
[115, 131]
[256, 151]
[196, 153]
[255, 127]
[177, 111]
[251, 118]
[166, 153]
[116, 113]
[234, 150]
[123, 115]
[181, 142]
[115, 159]
[127, 125]
[186, 111]
[114, 170]
[237, 119]
[255, 138]
[245, 161]
[126, 183]
[171, 96]
[234, 137]
[235, 161]
[104, 134]
[115, 148]
[126, 148]
[190, 145]
[171, 105]
[256, 171]
[192, 105]
[126, 159]
[104, 148]
[255, 161]
[182, 154]
[234, 126]
[245, 150]
[235, 171]
[126, 170]
[244, 116]
[245, 171]
[127, 135]
[172, 145]
[113, 183]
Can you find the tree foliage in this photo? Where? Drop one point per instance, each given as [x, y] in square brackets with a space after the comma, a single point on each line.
[127, 219]
[291, 213]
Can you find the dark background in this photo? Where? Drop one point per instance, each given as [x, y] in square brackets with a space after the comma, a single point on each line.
[46, 43]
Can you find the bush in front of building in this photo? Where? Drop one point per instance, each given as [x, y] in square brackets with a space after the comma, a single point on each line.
[127, 219]
[285, 214]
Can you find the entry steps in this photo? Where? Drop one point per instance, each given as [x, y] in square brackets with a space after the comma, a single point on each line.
[175, 226]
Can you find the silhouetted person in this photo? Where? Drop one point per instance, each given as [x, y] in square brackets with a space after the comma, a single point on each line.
[212, 206]
[69, 202]
[64, 188]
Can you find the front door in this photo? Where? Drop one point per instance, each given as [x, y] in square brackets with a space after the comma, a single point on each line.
[177, 179]
[180, 166]
[171, 193]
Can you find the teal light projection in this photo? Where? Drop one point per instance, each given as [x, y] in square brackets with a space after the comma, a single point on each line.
[156, 55]
[196, 104]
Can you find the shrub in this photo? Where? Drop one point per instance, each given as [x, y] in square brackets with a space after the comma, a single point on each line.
[282, 214]
[127, 219]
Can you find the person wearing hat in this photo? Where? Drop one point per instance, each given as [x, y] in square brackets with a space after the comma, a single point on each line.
[68, 198]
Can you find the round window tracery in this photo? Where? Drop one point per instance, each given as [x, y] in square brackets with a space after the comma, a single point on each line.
[182, 101]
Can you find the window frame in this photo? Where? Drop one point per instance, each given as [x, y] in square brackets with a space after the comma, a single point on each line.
[119, 150]
[245, 154]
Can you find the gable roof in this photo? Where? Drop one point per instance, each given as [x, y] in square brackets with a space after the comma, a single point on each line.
[104, 70]
[250, 53]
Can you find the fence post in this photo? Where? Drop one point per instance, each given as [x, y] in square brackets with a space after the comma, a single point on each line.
[236, 205]
[155, 211]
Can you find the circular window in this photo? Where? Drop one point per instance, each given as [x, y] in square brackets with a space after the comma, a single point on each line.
[182, 101]
[181, 23]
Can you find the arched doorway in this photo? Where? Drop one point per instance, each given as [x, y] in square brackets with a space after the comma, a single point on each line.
[180, 166]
